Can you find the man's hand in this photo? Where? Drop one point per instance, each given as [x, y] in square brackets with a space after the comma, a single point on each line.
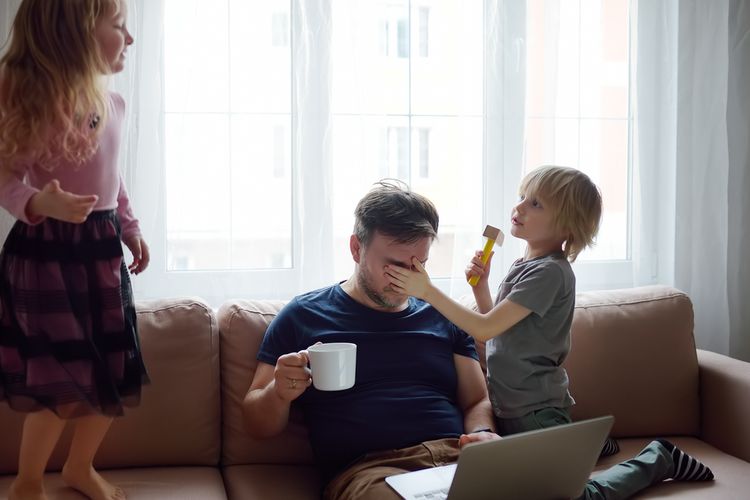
[53, 202]
[291, 375]
[141, 254]
[475, 437]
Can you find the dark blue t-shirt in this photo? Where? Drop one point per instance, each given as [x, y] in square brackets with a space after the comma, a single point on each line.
[405, 391]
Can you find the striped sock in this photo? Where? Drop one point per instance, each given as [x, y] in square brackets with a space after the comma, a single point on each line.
[610, 447]
[686, 468]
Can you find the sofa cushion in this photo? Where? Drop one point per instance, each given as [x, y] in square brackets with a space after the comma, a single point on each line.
[154, 483]
[725, 406]
[633, 355]
[243, 324]
[178, 421]
[11, 424]
[263, 482]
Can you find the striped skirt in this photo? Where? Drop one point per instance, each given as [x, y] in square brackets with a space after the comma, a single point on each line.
[68, 338]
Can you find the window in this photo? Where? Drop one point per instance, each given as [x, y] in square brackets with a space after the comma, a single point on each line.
[391, 119]
[402, 37]
[280, 29]
[267, 153]
[424, 152]
[280, 149]
[577, 104]
[424, 31]
[398, 152]
[228, 116]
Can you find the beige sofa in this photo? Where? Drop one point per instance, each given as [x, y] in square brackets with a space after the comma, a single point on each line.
[633, 356]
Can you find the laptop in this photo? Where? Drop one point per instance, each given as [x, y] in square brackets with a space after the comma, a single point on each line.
[544, 464]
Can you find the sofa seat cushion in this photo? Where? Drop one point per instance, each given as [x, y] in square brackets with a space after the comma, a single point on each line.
[154, 483]
[730, 472]
[265, 482]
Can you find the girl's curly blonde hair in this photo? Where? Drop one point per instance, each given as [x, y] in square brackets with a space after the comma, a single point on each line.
[52, 96]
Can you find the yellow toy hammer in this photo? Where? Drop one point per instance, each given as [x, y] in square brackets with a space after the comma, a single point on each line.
[493, 235]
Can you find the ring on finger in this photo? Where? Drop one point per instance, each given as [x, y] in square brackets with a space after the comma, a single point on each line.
[292, 383]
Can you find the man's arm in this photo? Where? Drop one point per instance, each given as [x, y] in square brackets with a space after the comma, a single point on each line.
[473, 398]
[472, 394]
[265, 409]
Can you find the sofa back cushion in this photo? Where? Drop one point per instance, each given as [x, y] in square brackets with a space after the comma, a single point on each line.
[243, 324]
[633, 355]
[178, 419]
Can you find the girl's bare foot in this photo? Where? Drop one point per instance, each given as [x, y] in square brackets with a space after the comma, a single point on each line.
[91, 483]
[26, 491]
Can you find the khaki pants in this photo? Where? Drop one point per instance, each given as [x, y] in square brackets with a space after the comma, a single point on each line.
[365, 479]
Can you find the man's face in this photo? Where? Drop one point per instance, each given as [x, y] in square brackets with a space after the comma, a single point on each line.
[371, 260]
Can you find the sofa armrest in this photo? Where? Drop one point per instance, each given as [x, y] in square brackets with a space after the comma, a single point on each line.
[725, 405]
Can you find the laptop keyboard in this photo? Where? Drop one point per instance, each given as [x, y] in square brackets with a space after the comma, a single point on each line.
[441, 494]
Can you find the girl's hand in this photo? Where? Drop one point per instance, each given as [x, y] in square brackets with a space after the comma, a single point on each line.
[415, 283]
[141, 255]
[476, 268]
[53, 202]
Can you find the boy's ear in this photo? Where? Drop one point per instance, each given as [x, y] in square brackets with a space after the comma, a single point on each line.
[567, 237]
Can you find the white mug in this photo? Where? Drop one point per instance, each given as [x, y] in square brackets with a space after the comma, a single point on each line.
[333, 365]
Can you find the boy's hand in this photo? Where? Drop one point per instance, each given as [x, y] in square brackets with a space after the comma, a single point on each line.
[476, 268]
[414, 282]
[53, 202]
[141, 254]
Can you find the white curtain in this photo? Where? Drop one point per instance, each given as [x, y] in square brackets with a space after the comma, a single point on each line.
[141, 84]
[690, 134]
[505, 98]
[691, 164]
[320, 195]
[7, 12]
[738, 220]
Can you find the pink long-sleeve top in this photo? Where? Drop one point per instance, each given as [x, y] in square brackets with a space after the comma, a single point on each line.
[99, 175]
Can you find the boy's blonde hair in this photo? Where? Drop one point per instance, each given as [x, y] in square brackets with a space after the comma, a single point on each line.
[51, 90]
[575, 199]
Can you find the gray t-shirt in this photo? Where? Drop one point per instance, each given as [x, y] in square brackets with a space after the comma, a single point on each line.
[523, 364]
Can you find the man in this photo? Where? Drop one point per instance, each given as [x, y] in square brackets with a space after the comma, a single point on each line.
[419, 393]
[419, 384]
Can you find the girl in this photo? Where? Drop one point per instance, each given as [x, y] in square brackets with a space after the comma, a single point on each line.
[68, 342]
[527, 329]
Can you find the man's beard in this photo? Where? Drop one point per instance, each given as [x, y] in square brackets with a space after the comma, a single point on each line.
[363, 280]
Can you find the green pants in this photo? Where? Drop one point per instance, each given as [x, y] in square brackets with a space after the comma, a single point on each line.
[652, 465]
[539, 419]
